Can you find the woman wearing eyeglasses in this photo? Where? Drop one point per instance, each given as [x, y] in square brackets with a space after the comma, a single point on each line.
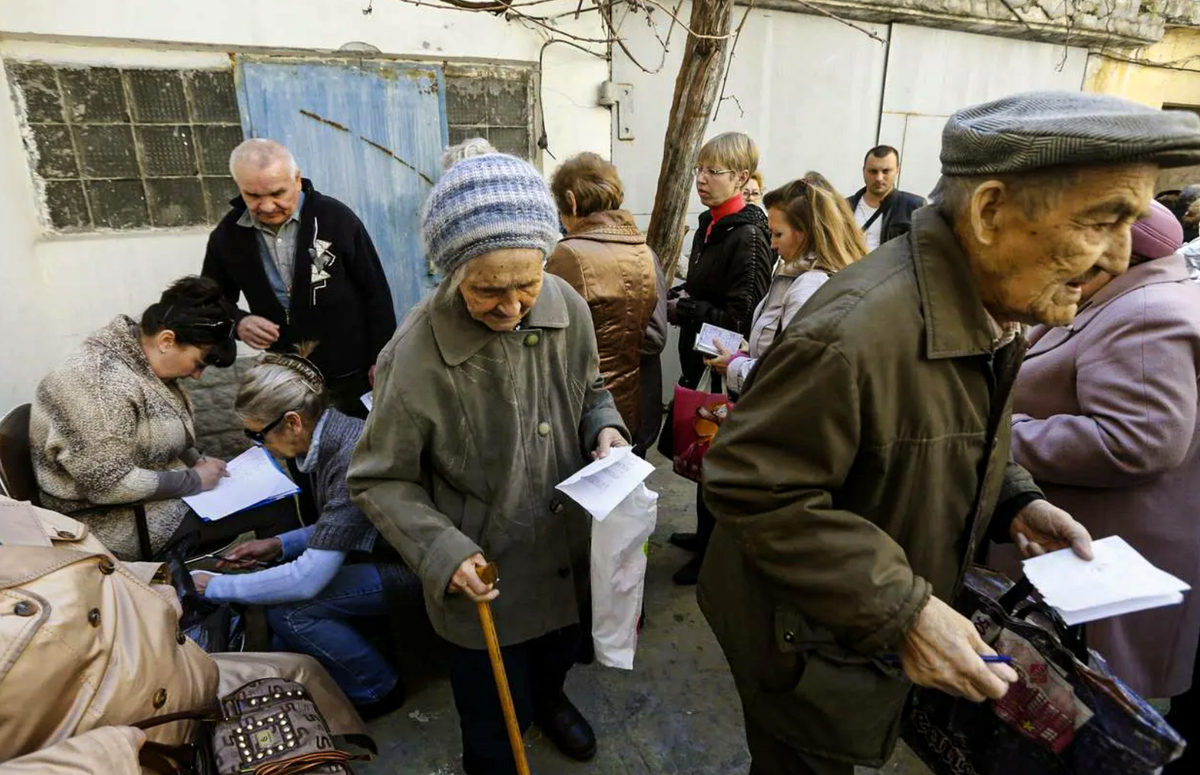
[814, 233]
[112, 426]
[728, 272]
[335, 573]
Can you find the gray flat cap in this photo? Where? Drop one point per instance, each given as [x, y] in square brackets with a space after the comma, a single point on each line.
[1035, 130]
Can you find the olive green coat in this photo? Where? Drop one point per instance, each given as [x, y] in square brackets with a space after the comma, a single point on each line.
[470, 431]
[856, 477]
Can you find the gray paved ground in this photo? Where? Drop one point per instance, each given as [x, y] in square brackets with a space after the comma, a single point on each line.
[676, 712]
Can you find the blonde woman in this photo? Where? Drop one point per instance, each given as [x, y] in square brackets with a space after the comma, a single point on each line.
[335, 573]
[814, 233]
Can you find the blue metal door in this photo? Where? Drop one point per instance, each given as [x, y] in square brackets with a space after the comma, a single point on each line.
[369, 133]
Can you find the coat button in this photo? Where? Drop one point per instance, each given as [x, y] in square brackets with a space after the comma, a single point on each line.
[532, 340]
[556, 506]
[107, 566]
[789, 637]
[24, 608]
[94, 617]
[64, 534]
[543, 429]
[564, 572]
[180, 638]
[160, 698]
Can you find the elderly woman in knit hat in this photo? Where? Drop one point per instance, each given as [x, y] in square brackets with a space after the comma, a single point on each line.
[1105, 418]
[488, 396]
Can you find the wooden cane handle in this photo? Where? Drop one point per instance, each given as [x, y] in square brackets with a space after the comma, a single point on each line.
[489, 574]
[506, 700]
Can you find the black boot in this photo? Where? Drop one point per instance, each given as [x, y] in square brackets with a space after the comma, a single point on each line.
[389, 702]
[689, 542]
[566, 727]
[689, 574]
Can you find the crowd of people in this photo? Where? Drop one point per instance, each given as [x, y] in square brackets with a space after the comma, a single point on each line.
[1008, 370]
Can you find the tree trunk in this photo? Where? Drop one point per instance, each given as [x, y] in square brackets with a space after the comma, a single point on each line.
[696, 89]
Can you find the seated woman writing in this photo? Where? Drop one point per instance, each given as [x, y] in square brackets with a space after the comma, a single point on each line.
[112, 427]
[328, 580]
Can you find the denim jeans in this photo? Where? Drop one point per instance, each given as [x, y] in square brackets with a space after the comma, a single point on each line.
[324, 628]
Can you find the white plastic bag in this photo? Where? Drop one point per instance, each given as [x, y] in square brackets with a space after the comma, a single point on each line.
[619, 575]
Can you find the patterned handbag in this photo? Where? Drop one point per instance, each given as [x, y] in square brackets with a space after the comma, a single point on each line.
[1067, 714]
[270, 726]
[696, 416]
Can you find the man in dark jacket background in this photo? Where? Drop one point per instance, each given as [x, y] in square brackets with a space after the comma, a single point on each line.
[881, 210]
[868, 457]
[308, 270]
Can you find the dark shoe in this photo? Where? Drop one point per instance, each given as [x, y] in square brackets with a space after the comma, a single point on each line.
[389, 702]
[689, 574]
[568, 729]
[689, 542]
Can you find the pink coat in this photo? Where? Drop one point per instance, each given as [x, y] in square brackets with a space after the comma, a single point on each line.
[1105, 418]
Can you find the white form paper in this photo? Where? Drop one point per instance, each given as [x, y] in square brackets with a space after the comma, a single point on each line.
[730, 340]
[603, 484]
[1118, 581]
[253, 479]
[368, 400]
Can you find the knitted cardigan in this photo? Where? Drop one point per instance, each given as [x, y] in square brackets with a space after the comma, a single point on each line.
[342, 526]
[102, 429]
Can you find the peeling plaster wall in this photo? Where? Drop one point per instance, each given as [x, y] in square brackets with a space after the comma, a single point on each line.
[60, 288]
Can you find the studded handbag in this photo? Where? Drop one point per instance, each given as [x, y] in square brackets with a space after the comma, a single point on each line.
[270, 726]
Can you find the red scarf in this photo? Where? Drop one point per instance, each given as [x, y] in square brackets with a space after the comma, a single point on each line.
[735, 205]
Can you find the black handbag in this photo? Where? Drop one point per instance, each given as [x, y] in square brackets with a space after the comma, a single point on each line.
[1067, 714]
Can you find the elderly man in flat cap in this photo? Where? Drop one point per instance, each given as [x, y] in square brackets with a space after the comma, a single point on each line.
[850, 501]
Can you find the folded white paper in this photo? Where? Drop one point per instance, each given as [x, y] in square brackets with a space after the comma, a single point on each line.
[1118, 581]
[603, 484]
[368, 400]
[254, 478]
[730, 340]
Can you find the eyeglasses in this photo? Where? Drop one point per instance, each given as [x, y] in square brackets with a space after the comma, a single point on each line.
[708, 172]
[259, 438]
[222, 327]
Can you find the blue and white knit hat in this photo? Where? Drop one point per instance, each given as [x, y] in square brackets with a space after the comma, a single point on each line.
[486, 203]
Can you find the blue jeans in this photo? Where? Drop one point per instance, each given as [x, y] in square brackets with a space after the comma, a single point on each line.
[324, 628]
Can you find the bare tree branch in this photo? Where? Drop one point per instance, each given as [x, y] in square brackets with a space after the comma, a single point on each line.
[729, 65]
[840, 20]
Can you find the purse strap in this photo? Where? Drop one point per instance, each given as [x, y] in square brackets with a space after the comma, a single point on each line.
[1073, 638]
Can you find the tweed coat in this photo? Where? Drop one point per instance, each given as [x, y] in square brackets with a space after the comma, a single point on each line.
[1105, 418]
[470, 432]
[103, 427]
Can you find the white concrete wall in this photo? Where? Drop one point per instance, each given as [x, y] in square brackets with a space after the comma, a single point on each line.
[57, 288]
[932, 73]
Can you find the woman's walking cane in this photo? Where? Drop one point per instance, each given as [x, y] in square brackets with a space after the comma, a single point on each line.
[489, 574]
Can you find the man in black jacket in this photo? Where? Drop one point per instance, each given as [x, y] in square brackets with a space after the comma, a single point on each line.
[308, 269]
[881, 210]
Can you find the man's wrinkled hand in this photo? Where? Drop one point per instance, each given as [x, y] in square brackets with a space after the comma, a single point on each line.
[942, 651]
[249, 554]
[608, 438]
[1042, 527]
[466, 581]
[257, 331]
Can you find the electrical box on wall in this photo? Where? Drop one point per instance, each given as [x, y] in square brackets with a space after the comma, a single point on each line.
[620, 97]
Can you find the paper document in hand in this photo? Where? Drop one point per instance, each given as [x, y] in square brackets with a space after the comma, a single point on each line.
[368, 400]
[730, 340]
[603, 484]
[1118, 581]
[254, 478]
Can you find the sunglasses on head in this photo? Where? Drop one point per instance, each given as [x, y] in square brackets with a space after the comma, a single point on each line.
[259, 438]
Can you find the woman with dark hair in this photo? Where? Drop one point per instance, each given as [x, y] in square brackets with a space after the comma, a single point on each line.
[112, 427]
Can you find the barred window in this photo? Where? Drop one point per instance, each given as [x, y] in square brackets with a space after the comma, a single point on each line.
[128, 149]
[496, 103]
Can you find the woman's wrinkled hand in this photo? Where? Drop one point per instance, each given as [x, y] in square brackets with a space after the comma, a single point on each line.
[608, 438]
[466, 581]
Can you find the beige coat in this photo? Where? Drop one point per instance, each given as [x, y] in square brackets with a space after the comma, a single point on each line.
[88, 645]
[1106, 419]
[471, 431]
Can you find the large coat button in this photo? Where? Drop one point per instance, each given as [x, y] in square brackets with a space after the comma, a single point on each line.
[107, 566]
[543, 429]
[94, 617]
[531, 340]
[160, 698]
[556, 506]
[25, 608]
[789, 637]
